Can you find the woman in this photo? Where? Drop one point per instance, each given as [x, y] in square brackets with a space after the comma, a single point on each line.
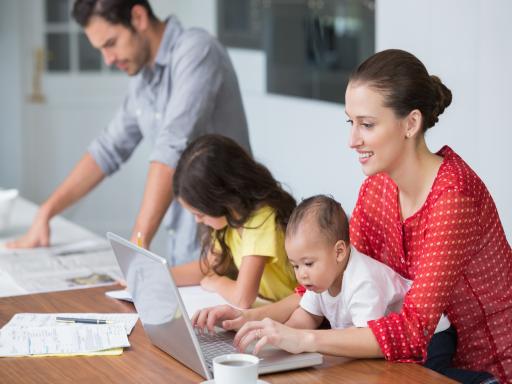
[426, 215]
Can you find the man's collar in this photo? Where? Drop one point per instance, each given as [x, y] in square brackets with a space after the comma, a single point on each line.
[173, 30]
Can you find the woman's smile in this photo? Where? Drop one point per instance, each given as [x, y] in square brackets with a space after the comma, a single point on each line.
[364, 156]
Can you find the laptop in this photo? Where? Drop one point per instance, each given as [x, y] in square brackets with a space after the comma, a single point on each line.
[166, 322]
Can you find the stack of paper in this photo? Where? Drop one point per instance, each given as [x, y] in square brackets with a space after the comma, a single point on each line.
[31, 334]
[71, 265]
[194, 298]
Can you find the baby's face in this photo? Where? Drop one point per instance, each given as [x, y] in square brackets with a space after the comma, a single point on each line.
[313, 259]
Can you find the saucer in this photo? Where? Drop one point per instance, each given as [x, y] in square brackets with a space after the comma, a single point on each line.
[212, 381]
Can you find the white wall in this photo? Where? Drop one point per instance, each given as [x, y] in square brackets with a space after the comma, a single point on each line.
[10, 97]
[192, 13]
[303, 142]
[467, 44]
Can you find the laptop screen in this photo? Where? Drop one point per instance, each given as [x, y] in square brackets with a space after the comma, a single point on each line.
[158, 303]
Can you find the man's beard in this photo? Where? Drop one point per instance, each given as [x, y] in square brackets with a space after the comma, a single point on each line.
[142, 60]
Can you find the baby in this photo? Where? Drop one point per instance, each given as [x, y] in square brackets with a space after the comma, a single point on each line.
[342, 285]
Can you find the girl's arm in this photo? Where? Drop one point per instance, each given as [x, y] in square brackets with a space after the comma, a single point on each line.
[192, 273]
[243, 291]
[349, 342]
[187, 274]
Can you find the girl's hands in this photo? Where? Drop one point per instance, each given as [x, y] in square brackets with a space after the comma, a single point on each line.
[225, 316]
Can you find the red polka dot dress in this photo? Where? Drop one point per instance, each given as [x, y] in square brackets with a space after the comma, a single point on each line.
[455, 251]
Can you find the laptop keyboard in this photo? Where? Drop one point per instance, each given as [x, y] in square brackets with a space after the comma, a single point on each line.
[215, 345]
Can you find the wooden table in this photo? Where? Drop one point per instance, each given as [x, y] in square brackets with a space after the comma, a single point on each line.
[145, 363]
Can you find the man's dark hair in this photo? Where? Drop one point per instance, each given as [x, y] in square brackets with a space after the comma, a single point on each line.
[114, 11]
[328, 214]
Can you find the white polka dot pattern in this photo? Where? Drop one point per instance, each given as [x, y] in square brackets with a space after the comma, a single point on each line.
[456, 252]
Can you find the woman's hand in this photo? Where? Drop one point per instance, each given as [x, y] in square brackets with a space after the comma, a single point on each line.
[271, 332]
[225, 316]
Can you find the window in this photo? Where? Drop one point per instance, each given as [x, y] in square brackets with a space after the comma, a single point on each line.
[68, 49]
[311, 46]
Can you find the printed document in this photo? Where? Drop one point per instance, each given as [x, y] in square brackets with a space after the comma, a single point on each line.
[40, 334]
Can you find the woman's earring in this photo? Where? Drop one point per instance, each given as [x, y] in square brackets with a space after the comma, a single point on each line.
[408, 134]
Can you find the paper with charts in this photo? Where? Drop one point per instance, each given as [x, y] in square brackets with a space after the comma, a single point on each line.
[40, 334]
[72, 265]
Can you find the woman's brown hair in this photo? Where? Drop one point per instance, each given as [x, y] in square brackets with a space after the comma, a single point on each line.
[405, 84]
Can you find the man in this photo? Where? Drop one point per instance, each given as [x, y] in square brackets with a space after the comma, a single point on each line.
[183, 86]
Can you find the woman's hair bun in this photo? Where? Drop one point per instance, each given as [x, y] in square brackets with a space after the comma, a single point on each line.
[442, 99]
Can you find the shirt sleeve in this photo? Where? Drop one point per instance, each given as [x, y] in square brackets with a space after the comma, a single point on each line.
[196, 78]
[300, 290]
[358, 237]
[310, 303]
[450, 239]
[368, 302]
[117, 142]
[264, 239]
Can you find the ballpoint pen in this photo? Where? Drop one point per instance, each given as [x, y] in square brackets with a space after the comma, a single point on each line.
[84, 321]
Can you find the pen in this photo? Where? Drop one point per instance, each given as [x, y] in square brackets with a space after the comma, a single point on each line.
[139, 239]
[84, 321]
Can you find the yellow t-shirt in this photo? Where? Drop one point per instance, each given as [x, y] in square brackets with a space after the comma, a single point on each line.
[262, 236]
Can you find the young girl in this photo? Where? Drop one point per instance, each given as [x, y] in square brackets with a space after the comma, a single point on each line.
[245, 211]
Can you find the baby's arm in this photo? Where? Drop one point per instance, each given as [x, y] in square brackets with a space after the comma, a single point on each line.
[302, 319]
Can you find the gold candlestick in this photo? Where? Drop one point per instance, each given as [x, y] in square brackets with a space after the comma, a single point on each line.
[37, 93]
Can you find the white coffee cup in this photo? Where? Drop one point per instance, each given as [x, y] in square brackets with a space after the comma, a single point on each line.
[236, 368]
[7, 198]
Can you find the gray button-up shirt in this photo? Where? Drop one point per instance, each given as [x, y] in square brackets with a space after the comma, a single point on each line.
[191, 90]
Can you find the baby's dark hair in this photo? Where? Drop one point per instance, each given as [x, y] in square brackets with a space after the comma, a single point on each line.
[329, 216]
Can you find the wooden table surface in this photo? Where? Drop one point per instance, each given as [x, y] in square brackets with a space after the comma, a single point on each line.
[145, 363]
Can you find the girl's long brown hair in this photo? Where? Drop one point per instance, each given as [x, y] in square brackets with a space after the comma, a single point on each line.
[218, 177]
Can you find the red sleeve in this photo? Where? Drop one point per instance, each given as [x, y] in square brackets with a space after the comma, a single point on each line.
[358, 223]
[300, 290]
[450, 239]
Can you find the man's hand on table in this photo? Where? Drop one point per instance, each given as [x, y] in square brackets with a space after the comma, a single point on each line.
[37, 236]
